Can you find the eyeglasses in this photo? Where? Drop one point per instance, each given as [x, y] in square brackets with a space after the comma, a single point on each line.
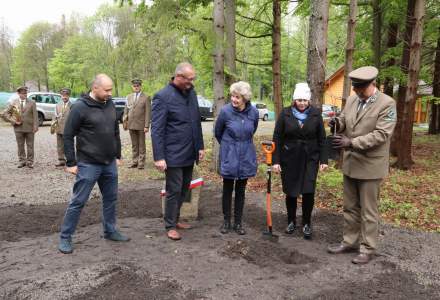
[188, 78]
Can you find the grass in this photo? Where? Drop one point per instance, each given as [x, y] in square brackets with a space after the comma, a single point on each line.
[408, 198]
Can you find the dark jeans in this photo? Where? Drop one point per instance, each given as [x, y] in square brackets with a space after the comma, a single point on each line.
[308, 200]
[88, 175]
[177, 183]
[228, 188]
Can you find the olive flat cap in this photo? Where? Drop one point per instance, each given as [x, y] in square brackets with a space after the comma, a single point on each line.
[136, 81]
[363, 76]
[22, 89]
[65, 90]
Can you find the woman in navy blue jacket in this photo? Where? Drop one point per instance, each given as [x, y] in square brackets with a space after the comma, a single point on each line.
[234, 130]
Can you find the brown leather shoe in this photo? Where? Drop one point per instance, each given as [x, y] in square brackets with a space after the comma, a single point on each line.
[132, 166]
[183, 226]
[60, 164]
[21, 165]
[173, 235]
[362, 259]
[340, 248]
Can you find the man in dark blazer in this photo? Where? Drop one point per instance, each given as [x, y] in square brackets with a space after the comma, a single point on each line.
[176, 133]
[22, 114]
[137, 119]
[365, 125]
[61, 113]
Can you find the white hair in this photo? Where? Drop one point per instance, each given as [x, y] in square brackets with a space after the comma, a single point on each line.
[242, 88]
[182, 67]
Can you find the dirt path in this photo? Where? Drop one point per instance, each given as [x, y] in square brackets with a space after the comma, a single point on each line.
[204, 264]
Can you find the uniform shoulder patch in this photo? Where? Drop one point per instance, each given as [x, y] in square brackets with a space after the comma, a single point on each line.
[391, 115]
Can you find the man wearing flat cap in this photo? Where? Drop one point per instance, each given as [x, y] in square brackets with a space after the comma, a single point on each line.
[61, 113]
[364, 128]
[22, 114]
[136, 118]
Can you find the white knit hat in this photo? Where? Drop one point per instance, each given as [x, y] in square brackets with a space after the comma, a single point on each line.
[302, 91]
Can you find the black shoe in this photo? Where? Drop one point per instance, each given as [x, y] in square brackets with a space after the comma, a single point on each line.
[239, 229]
[290, 228]
[226, 227]
[307, 231]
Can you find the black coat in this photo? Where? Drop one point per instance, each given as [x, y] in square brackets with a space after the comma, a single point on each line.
[299, 151]
[176, 131]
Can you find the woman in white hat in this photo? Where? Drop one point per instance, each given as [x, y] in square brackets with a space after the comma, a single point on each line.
[300, 151]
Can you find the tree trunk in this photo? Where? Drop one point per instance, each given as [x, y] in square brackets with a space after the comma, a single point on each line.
[434, 121]
[218, 76]
[317, 50]
[377, 33]
[391, 43]
[276, 57]
[349, 50]
[230, 50]
[404, 158]
[404, 65]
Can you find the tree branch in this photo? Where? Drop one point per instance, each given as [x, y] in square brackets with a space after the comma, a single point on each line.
[253, 64]
[256, 20]
[254, 36]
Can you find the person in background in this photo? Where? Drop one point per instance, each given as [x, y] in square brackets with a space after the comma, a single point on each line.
[300, 152]
[137, 117]
[62, 110]
[22, 114]
[234, 130]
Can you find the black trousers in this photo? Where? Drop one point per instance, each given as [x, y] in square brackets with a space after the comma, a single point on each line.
[228, 188]
[177, 181]
[308, 200]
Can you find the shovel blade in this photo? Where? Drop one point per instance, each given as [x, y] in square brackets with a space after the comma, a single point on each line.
[269, 236]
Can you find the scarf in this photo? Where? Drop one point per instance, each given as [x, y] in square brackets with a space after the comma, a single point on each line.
[301, 116]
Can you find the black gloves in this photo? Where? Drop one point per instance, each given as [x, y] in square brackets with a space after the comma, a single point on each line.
[341, 141]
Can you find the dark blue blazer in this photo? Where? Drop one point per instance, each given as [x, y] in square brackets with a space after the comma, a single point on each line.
[234, 130]
[176, 130]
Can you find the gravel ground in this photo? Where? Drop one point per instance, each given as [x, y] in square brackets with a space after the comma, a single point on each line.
[203, 265]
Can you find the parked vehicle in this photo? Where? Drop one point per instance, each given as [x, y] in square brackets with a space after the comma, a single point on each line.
[46, 103]
[263, 112]
[205, 108]
[119, 105]
[329, 111]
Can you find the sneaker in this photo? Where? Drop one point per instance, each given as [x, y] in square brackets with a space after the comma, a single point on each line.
[226, 227]
[65, 246]
[290, 228]
[116, 236]
[307, 231]
[239, 229]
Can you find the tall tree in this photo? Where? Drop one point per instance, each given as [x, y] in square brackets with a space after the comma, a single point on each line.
[6, 49]
[404, 158]
[317, 49]
[388, 84]
[404, 66]
[276, 56]
[377, 32]
[218, 76]
[349, 49]
[230, 45]
[434, 121]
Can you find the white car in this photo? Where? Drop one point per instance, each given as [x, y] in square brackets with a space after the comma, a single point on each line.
[46, 103]
[263, 112]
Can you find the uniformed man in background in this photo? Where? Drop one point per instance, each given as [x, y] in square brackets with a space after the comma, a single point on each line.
[365, 127]
[137, 120]
[22, 114]
[61, 113]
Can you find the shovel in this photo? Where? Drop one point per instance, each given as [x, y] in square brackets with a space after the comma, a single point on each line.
[268, 149]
